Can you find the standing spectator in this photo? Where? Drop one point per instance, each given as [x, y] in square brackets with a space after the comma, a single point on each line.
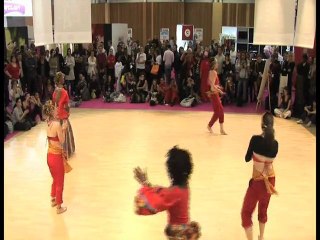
[70, 77]
[60, 59]
[111, 62]
[140, 62]
[291, 65]
[302, 86]
[13, 71]
[92, 65]
[43, 74]
[168, 59]
[117, 74]
[101, 64]
[220, 59]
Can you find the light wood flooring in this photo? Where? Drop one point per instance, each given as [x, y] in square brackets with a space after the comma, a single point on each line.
[99, 192]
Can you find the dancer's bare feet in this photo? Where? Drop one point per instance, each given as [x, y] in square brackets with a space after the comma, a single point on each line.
[209, 129]
[53, 202]
[222, 132]
[61, 209]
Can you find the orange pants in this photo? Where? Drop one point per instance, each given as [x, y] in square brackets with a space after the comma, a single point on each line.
[56, 167]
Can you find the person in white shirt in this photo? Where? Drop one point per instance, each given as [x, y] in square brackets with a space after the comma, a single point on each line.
[140, 62]
[233, 55]
[117, 73]
[168, 58]
[220, 59]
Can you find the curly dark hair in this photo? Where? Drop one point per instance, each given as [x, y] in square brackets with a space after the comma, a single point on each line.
[179, 165]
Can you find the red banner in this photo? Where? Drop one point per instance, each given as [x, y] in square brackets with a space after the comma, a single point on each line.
[187, 32]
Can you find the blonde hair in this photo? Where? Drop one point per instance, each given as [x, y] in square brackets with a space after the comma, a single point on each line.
[58, 77]
[213, 63]
[48, 109]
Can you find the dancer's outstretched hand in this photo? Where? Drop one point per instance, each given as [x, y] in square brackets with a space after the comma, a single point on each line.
[139, 175]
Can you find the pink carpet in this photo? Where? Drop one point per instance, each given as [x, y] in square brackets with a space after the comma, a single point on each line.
[10, 135]
[99, 104]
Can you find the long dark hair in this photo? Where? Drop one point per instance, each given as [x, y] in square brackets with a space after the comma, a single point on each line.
[179, 165]
[267, 128]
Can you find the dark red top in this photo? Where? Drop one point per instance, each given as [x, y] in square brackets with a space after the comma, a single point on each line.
[14, 71]
[61, 98]
[175, 200]
[101, 60]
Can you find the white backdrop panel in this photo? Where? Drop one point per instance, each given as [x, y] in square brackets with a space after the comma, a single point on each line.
[274, 22]
[306, 24]
[72, 21]
[42, 22]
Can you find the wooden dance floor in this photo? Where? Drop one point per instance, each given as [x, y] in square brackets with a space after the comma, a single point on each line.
[100, 190]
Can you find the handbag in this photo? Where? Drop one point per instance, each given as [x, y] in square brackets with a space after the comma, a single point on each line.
[155, 69]
[66, 70]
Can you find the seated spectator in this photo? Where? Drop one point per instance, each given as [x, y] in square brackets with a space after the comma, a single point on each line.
[140, 95]
[152, 97]
[94, 87]
[284, 109]
[82, 89]
[191, 91]
[131, 83]
[19, 117]
[109, 89]
[309, 115]
[161, 91]
[34, 107]
[172, 96]
[15, 92]
[48, 91]
[8, 121]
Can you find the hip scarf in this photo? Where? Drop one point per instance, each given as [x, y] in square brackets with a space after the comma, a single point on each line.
[183, 231]
[52, 149]
[258, 176]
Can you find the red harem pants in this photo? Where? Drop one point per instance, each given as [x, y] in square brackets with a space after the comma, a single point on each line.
[256, 192]
[171, 96]
[217, 110]
[56, 167]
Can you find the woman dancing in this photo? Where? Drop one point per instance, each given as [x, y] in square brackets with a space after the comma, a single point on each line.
[56, 156]
[262, 149]
[60, 98]
[213, 94]
[175, 199]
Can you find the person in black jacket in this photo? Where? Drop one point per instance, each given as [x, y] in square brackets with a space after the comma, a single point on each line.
[262, 149]
[43, 76]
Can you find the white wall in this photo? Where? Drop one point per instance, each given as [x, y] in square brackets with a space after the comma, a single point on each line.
[119, 30]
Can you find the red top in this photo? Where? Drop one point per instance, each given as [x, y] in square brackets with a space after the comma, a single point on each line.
[111, 61]
[175, 200]
[61, 98]
[205, 68]
[14, 71]
[56, 139]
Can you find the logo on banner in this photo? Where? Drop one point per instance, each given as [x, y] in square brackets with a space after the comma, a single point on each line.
[187, 32]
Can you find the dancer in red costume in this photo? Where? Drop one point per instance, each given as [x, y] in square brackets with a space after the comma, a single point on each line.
[262, 149]
[60, 98]
[56, 156]
[175, 199]
[204, 72]
[214, 94]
